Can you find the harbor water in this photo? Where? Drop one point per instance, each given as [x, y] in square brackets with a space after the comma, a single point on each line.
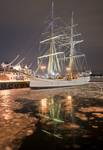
[53, 119]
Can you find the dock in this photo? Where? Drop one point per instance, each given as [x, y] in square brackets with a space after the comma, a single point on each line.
[96, 78]
[13, 84]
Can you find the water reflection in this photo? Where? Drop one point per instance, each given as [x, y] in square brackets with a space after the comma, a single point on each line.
[6, 104]
[13, 126]
[73, 118]
[44, 106]
[56, 113]
[50, 108]
[56, 107]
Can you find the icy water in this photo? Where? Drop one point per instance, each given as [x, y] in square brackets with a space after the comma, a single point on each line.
[66, 118]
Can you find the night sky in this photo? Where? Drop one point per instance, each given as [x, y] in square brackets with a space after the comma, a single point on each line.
[22, 21]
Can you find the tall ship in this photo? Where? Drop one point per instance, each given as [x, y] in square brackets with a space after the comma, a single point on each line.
[62, 65]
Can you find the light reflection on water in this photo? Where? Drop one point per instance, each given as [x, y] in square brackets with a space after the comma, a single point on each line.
[57, 112]
[6, 105]
[74, 116]
[13, 126]
[54, 107]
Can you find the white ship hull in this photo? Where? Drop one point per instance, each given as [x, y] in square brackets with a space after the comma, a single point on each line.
[39, 83]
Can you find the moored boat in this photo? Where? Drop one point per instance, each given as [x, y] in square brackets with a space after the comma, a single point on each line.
[61, 65]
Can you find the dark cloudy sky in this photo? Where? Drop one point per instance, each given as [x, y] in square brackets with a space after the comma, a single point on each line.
[21, 22]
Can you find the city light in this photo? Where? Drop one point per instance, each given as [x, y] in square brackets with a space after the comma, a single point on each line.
[43, 67]
[69, 97]
[68, 69]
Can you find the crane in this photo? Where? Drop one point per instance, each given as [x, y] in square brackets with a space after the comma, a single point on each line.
[4, 65]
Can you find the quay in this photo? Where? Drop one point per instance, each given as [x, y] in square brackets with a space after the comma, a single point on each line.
[96, 78]
[25, 84]
[13, 84]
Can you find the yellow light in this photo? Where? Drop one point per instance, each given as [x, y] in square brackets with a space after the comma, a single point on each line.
[6, 105]
[17, 67]
[26, 67]
[68, 69]
[44, 105]
[69, 105]
[43, 67]
[69, 97]
[44, 102]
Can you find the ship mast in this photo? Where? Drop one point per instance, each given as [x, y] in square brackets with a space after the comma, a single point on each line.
[53, 64]
[72, 46]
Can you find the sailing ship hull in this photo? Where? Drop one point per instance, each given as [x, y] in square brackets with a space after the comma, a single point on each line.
[39, 83]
